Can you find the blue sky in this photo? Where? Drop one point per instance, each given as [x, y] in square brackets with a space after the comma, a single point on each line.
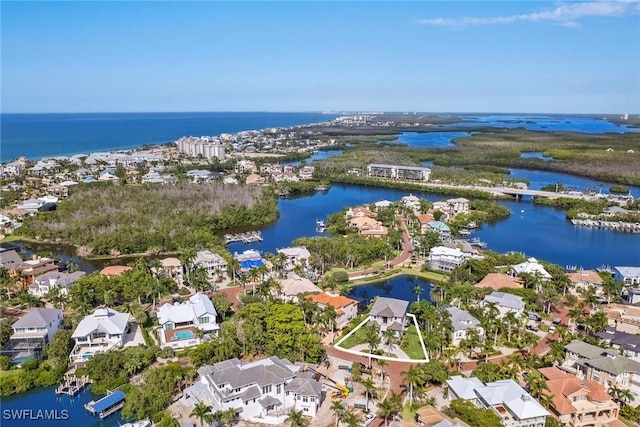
[455, 56]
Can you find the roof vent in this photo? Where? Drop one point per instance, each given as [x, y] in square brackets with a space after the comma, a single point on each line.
[525, 397]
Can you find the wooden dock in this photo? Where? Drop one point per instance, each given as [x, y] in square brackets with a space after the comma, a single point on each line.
[71, 384]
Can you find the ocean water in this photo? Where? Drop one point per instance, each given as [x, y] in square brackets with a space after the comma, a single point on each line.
[46, 135]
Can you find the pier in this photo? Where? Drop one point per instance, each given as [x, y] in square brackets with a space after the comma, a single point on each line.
[71, 384]
[249, 237]
[628, 227]
[112, 402]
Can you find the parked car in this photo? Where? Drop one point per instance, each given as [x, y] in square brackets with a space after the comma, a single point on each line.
[531, 328]
[533, 316]
[368, 419]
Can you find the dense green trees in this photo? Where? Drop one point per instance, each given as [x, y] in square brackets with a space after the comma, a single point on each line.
[472, 415]
[110, 219]
[112, 369]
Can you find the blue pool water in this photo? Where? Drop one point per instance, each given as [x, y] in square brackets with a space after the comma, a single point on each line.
[184, 335]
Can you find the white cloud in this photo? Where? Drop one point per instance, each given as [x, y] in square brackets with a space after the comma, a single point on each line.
[567, 14]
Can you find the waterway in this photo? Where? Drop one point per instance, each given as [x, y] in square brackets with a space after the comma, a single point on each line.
[70, 410]
[400, 287]
[429, 139]
[580, 124]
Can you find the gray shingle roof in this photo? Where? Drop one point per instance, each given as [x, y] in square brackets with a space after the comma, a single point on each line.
[506, 300]
[389, 307]
[37, 318]
[461, 319]
[304, 387]
[605, 360]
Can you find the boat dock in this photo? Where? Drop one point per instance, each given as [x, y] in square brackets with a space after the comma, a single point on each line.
[249, 237]
[112, 402]
[629, 227]
[71, 384]
[476, 242]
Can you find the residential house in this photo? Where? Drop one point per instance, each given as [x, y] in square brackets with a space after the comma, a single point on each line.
[255, 179]
[293, 285]
[446, 259]
[172, 267]
[9, 259]
[297, 255]
[627, 275]
[514, 406]
[210, 262]
[462, 322]
[627, 344]
[54, 279]
[411, 202]
[368, 226]
[532, 267]
[249, 259]
[306, 172]
[99, 332]
[115, 270]
[428, 416]
[389, 313]
[440, 228]
[505, 303]
[359, 212]
[31, 333]
[458, 206]
[180, 323]
[585, 279]
[200, 175]
[263, 391]
[230, 179]
[589, 362]
[346, 308]
[30, 269]
[579, 403]
[424, 220]
[497, 281]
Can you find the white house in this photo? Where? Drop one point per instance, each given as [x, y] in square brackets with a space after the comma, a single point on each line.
[458, 206]
[297, 255]
[442, 258]
[262, 391]
[389, 313]
[99, 332]
[462, 323]
[172, 267]
[293, 285]
[54, 279]
[179, 322]
[31, 333]
[514, 406]
[505, 303]
[627, 275]
[531, 266]
[210, 262]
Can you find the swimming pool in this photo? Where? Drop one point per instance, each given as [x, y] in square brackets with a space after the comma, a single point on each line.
[87, 355]
[184, 335]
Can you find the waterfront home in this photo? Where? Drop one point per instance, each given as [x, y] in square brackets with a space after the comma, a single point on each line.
[462, 322]
[530, 266]
[627, 344]
[114, 270]
[411, 202]
[605, 366]
[382, 204]
[99, 332]
[306, 172]
[261, 391]
[497, 281]
[249, 259]
[31, 333]
[108, 177]
[180, 323]
[172, 267]
[428, 416]
[296, 255]
[210, 262]
[579, 403]
[458, 206]
[424, 220]
[368, 226]
[246, 166]
[345, 308]
[623, 317]
[582, 280]
[627, 275]
[505, 303]
[359, 212]
[9, 259]
[293, 285]
[441, 228]
[62, 280]
[514, 406]
[389, 314]
[446, 259]
[32, 268]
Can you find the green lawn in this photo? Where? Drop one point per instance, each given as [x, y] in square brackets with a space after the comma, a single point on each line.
[411, 343]
[357, 338]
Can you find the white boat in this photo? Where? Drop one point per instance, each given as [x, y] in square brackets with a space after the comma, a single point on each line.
[464, 232]
[142, 423]
[320, 223]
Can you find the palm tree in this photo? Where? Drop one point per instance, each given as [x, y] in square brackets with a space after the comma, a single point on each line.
[390, 406]
[412, 377]
[620, 395]
[352, 420]
[381, 364]
[202, 412]
[417, 290]
[254, 274]
[372, 339]
[233, 266]
[511, 320]
[389, 339]
[296, 419]
[528, 341]
[537, 384]
[369, 386]
[338, 410]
